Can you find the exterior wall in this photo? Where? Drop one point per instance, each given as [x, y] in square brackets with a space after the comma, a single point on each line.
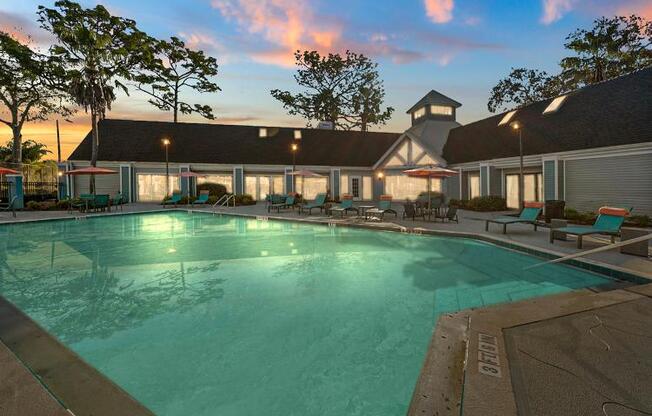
[105, 184]
[495, 181]
[622, 181]
[549, 180]
[452, 188]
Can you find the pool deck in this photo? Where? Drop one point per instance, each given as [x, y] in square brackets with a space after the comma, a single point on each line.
[582, 352]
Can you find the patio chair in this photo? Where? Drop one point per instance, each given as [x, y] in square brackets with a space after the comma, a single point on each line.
[202, 199]
[384, 207]
[529, 215]
[608, 222]
[289, 202]
[85, 202]
[11, 206]
[101, 202]
[411, 210]
[449, 215]
[118, 201]
[345, 205]
[320, 202]
[174, 200]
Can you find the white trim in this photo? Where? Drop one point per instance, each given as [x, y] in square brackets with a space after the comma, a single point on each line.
[130, 181]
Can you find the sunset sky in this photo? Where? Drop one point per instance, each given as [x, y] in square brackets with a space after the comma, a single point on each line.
[460, 48]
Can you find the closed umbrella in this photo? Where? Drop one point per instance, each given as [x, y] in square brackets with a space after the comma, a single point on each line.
[430, 172]
[304, 173]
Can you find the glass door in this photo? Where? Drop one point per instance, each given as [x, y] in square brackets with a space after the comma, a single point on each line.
[532, 188]
[355, 187]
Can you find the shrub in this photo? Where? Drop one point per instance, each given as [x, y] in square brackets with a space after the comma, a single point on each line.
[642, 221]
[486, 203]
[244, 199]
[44, 206]
[574, 216]
[216, 190]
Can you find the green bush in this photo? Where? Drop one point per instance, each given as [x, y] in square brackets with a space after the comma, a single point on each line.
[216, 190]
[244, 199]
[45, 206]
[642, 221]
[486, 203]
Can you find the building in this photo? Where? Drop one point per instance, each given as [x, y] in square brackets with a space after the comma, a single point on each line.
[590, 147]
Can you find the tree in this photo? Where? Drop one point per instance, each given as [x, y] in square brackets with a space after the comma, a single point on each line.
[612, 47]
[522, 87]
[32, 151]
[345, 90]
[29, 91]
[175, 68]
[97, 49]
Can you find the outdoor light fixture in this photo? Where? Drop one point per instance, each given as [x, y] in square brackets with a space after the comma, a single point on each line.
[381, 175]
[294, 147]
[515, 125]
[166, 142]
[59, 173]
[521, 186]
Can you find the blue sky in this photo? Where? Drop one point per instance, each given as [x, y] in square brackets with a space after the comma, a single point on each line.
[460, 48]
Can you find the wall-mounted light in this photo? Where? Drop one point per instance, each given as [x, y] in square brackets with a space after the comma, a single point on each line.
[380, 176]
[59, 173]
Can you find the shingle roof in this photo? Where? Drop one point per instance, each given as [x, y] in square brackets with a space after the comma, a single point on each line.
[140, 141]
[614, 112]
[434, 97]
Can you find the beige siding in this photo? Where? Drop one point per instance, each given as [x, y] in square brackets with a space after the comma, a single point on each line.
[106, 184]
[623, 181]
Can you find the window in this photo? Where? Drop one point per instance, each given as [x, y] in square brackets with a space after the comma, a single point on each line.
[555, 104]
[262, 132]
[532, 188]
[507, 117]
[152, 187]
[419, 113]
[226, 180]
[367, 188]
[402, 187]
[259, 186]
[441, 110]
[474, 186]
[344, 184]
[310, 187]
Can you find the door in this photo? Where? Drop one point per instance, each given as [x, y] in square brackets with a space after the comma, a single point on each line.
[355, 187]
[532, 188]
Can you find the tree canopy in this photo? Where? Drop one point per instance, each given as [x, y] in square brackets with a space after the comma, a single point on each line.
[32, 151]
[29, 89]
[344, 90]
[611, 48]
[177, 67]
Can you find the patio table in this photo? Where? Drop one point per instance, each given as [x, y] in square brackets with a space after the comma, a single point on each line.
[363, 209]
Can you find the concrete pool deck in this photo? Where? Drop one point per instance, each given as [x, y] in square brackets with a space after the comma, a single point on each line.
[528, 343]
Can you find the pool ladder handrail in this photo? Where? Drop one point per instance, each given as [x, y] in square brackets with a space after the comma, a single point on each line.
[224, 200]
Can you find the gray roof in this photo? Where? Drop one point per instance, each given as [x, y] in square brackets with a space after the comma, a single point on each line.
[434, 97]
[432, 133]
[140, 141]
[611, 113]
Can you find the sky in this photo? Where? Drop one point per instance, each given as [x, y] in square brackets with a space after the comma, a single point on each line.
[459, 48]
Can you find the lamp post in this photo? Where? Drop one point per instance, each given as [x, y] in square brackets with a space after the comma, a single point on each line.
[166, 144]
[294, 149]
[519, 128]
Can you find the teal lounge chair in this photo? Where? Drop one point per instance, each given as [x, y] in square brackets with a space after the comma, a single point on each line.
[289, 202]
[346, 205]
[11, 206]
[320, 201]
[608, 222]
[202, 199]
[529, 215]
[384, 207]
[174, 200]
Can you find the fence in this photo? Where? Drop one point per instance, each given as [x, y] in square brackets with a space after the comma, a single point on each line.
[40, 191]
[4, 191]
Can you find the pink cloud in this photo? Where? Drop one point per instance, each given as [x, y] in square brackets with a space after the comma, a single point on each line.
[554, 10]
[439, 11]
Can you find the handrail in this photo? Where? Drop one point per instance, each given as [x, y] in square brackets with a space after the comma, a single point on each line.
[224, 200]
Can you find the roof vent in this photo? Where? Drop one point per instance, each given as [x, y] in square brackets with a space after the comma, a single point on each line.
[297, 135]
[555, 104]
[325, 125]
[262, 132]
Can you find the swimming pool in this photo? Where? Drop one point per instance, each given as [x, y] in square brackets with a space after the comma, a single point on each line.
[195, 314]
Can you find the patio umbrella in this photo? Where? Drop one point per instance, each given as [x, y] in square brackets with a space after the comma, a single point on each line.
[305, 173]
[7, 171]
[430, 172]
[91, 170]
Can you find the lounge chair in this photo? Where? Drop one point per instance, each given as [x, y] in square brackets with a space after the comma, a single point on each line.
[411, 210]
[529, 215]
[345, 205]
[384, 206]
[11, 206]
[289, 202]
[174, 200]
[449, 215]
[320, 202]
[202, 199]
[608, 222]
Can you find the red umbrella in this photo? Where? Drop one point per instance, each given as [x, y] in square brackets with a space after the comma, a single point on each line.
[7, 171]
[431, 172]
[91, 170]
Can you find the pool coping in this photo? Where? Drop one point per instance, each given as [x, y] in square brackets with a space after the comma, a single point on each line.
[83, 390]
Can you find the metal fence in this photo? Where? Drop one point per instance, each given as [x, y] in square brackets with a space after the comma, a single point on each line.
[4, 191]
[40, 191]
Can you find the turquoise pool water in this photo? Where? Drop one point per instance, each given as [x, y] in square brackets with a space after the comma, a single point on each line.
[195, 314]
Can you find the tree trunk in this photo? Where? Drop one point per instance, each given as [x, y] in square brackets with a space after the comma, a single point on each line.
[17, 148]
[176, 101]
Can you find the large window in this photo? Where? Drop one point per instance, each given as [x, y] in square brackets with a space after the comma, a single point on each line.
[367, 188]
[532, 188]
[474, 186]
[151, 187]
[310, 187]
[259, 186]
[402, 187]
[441, 110]
[226, 180]
[419, 113]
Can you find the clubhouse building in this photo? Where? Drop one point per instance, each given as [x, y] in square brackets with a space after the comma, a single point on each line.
[590, 147]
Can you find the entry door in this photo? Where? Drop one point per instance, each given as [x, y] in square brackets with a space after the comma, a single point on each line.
[355, 187]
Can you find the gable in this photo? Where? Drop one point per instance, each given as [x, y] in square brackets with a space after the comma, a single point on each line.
[408, 153]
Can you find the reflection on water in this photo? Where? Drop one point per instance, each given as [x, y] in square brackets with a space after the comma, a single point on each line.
[201, 314]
